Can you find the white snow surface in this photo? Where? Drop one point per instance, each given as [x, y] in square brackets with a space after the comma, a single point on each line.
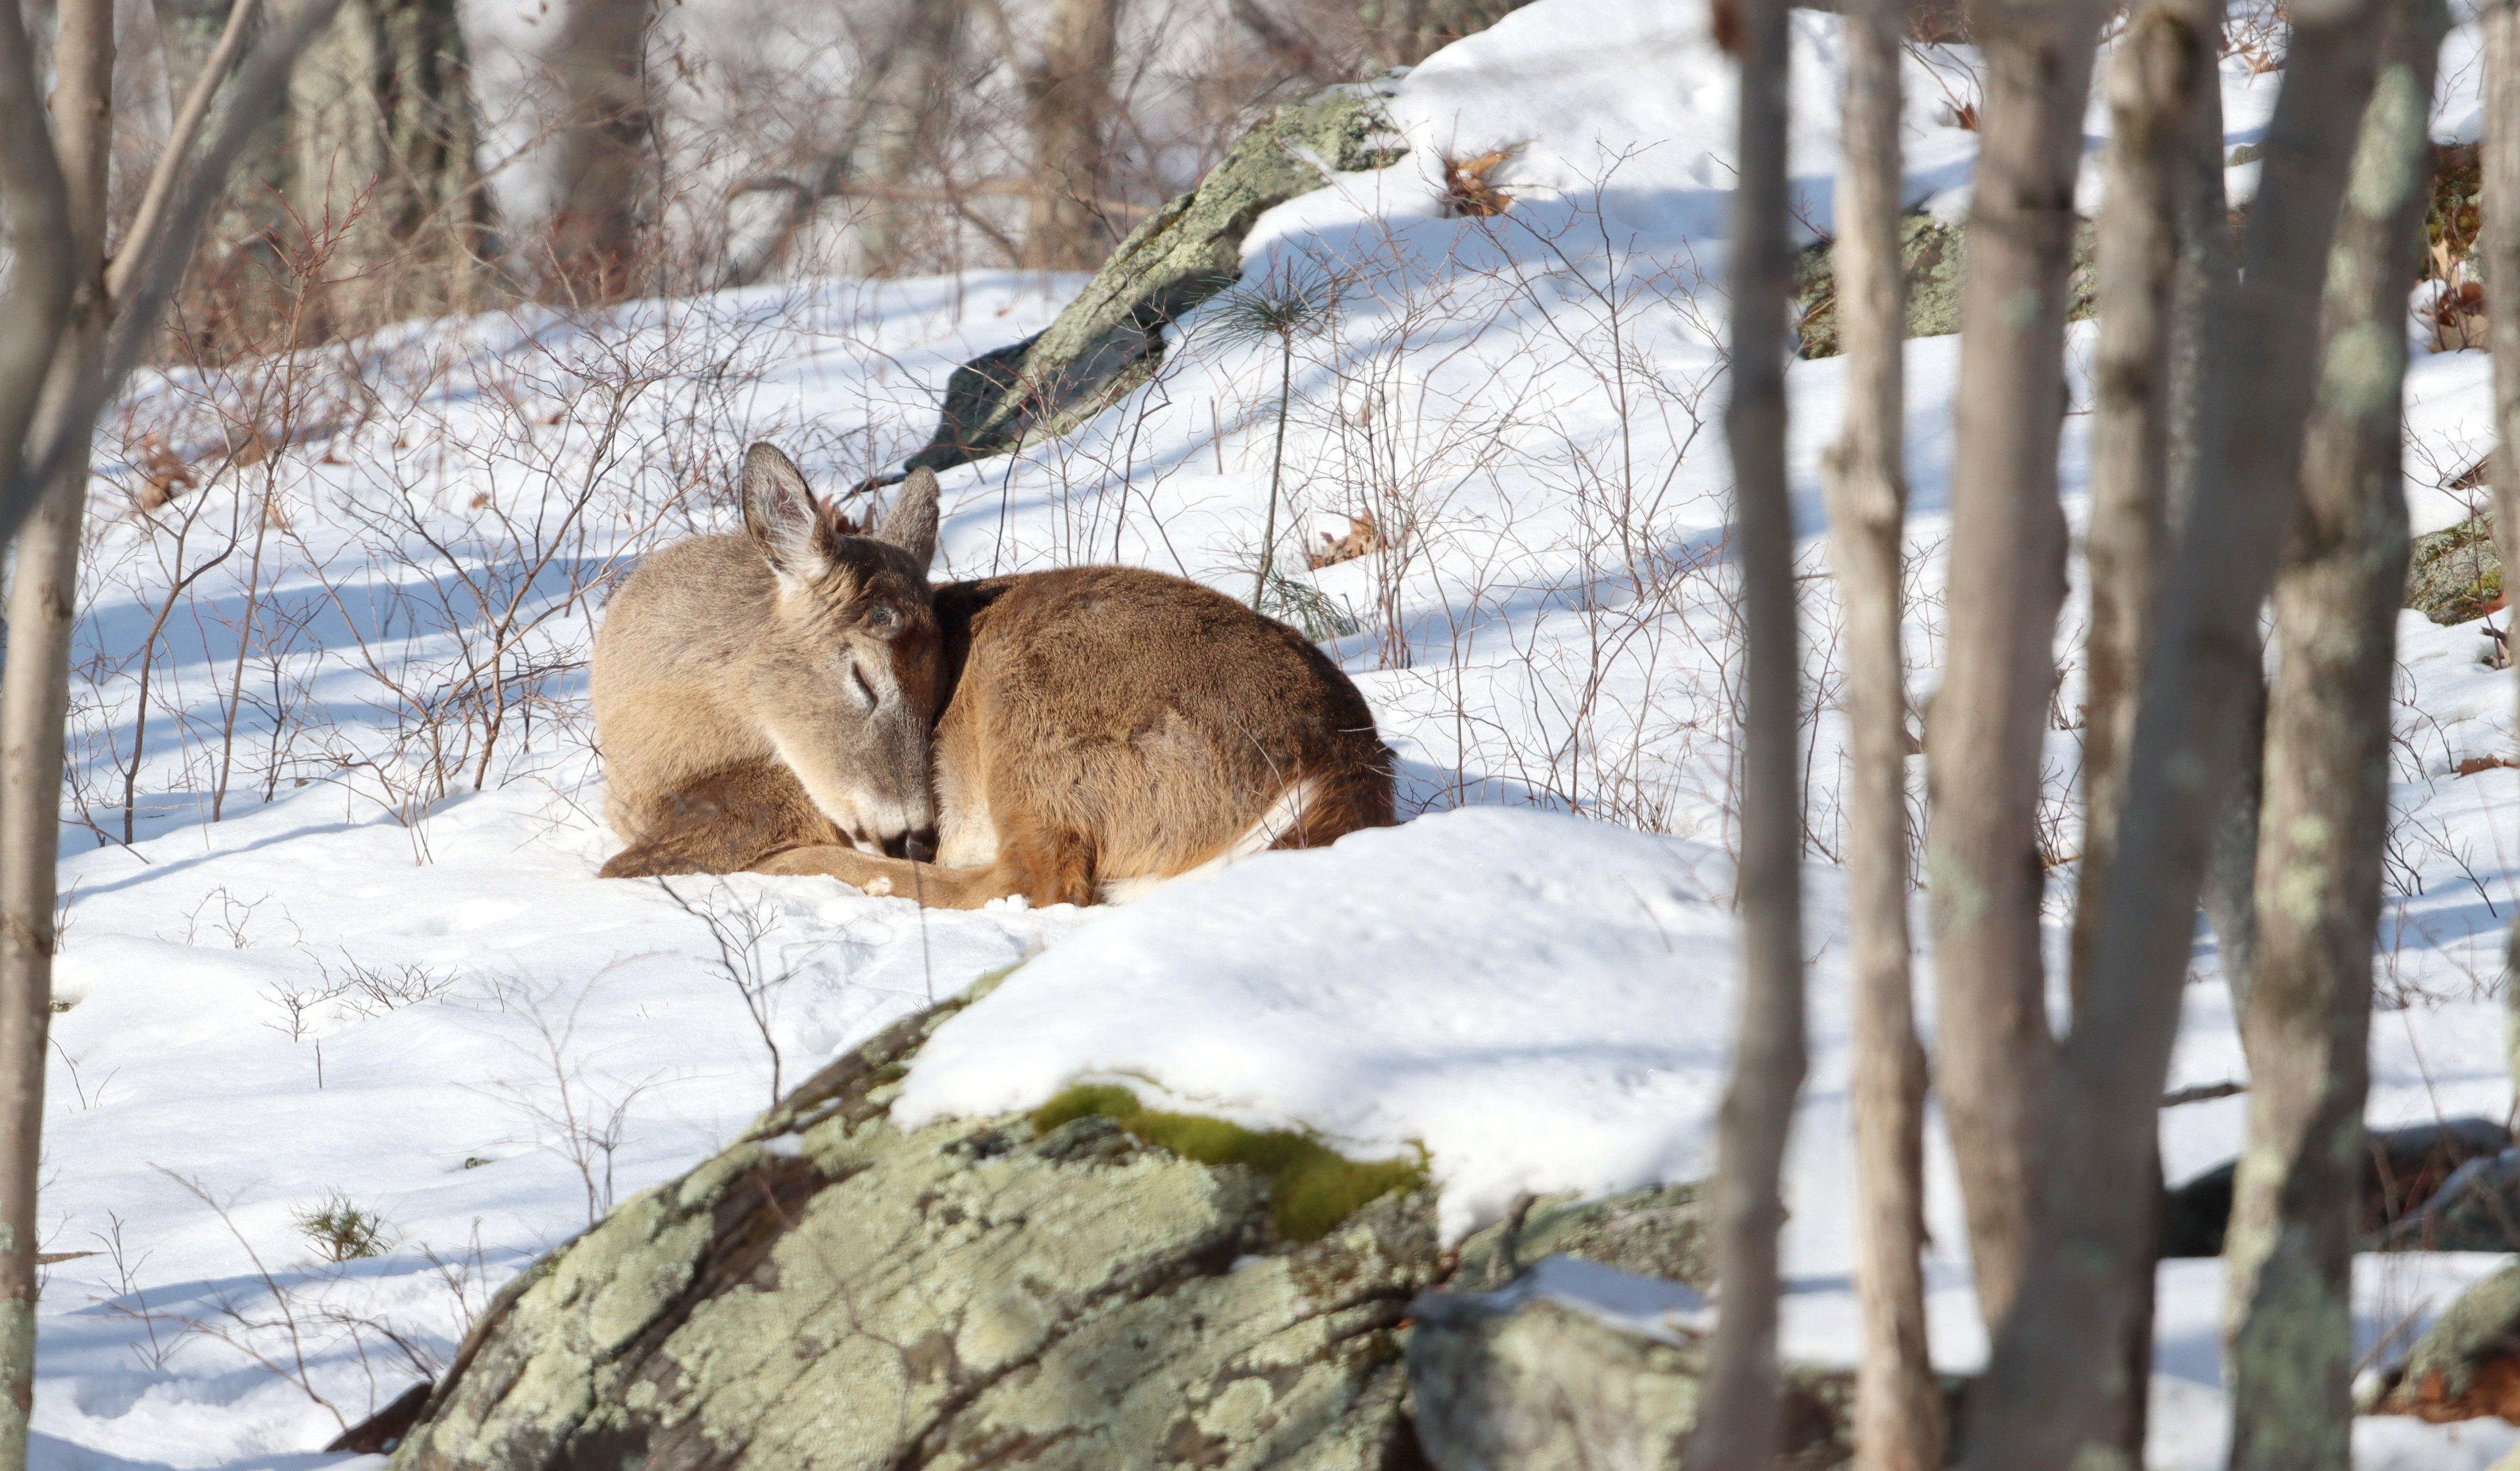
[331, 918]
[1442, 985]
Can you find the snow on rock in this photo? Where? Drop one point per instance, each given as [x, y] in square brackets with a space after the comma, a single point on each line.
[1543, 1004]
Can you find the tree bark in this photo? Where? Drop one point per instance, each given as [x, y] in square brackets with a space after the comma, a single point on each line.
[2289, 1256]
[384, 167]
[42, 276]
[2158, 86]
[1898, 1405]
[2205, 278]
[906, 112]
[1738, 1421]
[34, 690]
[604, 177]
[2499, 254]
[2049, 1383]
[2165, 65]
[1067, 106]
[1986, 728]
[56, 195]
[1405, 32]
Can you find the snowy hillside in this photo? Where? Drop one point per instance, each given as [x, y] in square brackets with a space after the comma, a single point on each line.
[334, 934]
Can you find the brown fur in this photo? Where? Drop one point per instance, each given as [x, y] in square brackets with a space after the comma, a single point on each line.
[755, 693]
[1101, 727]
[1105, 725]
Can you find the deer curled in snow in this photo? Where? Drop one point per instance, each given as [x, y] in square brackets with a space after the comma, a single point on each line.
[796, 699]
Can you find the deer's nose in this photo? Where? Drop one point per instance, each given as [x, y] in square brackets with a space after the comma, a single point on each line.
[919, 847]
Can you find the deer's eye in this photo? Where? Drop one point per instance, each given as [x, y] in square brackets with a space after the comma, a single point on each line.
[881, 621]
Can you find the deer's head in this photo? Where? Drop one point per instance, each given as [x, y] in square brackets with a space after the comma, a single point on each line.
[850, 662]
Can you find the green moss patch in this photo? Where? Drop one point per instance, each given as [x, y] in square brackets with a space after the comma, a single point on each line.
[1312, 1187]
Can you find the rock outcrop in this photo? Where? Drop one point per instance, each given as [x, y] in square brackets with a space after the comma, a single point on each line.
[2414, 1183]
[1933, 255]
[2466, 1366]
[2454, 574]
[1056, 1290]
[1110, 337]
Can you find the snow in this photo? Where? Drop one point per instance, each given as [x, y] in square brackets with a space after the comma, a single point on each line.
[358, 947]
[1442, 985]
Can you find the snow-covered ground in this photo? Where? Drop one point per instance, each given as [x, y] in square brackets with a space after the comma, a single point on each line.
[333, 929]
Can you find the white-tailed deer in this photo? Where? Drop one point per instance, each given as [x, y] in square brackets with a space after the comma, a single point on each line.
[759, 690]
[1101, 729]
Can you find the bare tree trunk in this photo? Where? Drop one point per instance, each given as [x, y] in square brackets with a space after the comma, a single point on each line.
[2205, 278]
[78, 339]
[41, 279]
[1738, 1420]
[2499, 254]
[1898, 1405]
[2048, 1386]
[2289, 1257]
[34, 684]
[2158, 86]
[906, 123]
[603, 176]
[2165, 65]
[382, 145]
[1405, 32]
[1986, 728]
[1067, 106]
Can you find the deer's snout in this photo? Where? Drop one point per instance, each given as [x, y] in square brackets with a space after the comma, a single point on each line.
[918, 847]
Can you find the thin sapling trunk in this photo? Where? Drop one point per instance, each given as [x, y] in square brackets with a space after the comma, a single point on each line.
[1738, 1415]
[1898, 1405]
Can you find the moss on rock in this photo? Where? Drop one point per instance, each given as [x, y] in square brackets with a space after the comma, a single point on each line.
[1312, 1187]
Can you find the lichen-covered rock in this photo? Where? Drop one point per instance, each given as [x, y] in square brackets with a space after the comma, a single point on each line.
[1538, 1385]
[833, 1292]
[1091, 1285]
[1659, 1232]
[1933, 255]
[1577, 1367]
[1110, 337]
[2454, 574]
[2466, 1366]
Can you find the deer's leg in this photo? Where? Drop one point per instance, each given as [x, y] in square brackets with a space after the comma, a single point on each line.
[934, 886]
[1046, 863]
[723, 823]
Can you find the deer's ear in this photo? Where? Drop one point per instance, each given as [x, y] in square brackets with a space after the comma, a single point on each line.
[784, 519]
[911, 523]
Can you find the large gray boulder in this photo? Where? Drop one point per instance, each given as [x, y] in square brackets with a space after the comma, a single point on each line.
[1111, 337]
[1532, 1382]
[836, 1292]
[1061, 1289]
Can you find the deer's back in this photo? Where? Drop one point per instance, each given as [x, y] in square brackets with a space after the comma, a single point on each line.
[1157, 718]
